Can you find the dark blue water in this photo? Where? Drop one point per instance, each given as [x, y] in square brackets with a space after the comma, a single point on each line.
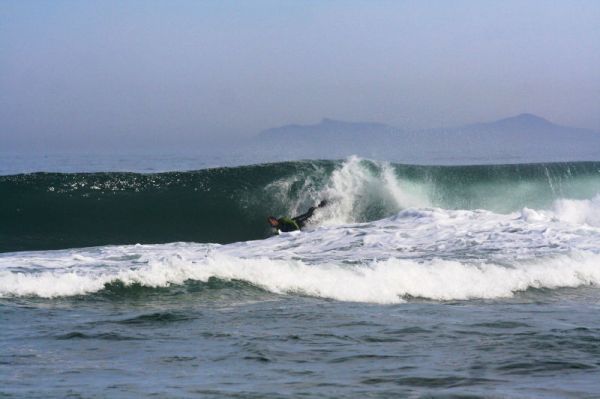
[233, 340]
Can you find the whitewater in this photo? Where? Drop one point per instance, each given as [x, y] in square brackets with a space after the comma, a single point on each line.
[430, 281]
[420, 251]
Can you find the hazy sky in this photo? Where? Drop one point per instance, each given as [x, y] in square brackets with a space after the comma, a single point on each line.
[112, 73]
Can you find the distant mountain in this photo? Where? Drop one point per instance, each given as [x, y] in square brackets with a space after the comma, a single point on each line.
[521, 138]
[327, 139]
[523, 124]
[326, 128]
[522, 121]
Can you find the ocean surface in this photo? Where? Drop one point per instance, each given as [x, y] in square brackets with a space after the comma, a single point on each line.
[414, 281]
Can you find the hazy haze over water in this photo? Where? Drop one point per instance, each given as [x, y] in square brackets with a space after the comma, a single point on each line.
[112, 75]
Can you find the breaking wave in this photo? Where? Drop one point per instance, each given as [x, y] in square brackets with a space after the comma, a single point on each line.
[224, 205]
[420, 252]
[386, 281]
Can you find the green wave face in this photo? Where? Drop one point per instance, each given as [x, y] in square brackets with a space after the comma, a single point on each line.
[52, 210]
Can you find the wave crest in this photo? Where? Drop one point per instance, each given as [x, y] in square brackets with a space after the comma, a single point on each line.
[386, 281]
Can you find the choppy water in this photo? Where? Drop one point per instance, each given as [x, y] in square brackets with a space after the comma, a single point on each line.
[229, 339]
[413, 282]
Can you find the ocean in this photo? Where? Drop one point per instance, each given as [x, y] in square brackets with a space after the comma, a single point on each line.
[477, 281]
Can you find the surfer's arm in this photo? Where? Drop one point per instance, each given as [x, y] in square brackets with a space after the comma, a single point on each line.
[305, 216]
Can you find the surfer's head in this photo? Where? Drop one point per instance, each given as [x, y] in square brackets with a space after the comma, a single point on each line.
[273, 221]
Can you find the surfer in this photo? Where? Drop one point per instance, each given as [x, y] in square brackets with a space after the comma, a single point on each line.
[287, 224]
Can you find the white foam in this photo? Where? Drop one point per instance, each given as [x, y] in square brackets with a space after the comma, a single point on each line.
[390, 280]
[578, 211]
[422, 252]
[387, 281]
[351, 189]
[356, 185]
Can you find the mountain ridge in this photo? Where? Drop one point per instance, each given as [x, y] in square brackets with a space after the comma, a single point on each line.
[521, 138]
[519, 121]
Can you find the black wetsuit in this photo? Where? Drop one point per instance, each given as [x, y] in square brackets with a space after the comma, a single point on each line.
[291, 224]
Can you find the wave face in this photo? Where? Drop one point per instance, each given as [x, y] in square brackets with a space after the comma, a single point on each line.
[54, 210]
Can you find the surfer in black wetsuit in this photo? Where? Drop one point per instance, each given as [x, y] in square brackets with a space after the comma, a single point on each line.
[287, 224]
